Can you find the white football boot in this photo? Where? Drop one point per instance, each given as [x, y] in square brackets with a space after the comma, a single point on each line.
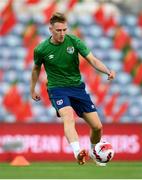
[93, 157]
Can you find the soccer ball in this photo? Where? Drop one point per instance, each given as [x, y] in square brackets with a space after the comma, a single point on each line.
[103, 152]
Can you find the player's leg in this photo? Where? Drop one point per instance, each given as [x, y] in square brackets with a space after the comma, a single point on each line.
[67, 116]
[95, 124]
[61, 102]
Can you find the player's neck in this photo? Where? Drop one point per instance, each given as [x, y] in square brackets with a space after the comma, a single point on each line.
[52, 40]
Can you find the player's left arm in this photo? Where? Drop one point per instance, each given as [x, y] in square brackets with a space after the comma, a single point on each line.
[98, 65]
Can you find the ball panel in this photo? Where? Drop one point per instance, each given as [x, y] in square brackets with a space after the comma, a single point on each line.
[104, 152]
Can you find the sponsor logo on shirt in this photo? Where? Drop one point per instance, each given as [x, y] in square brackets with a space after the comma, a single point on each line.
[51, 56]
[59, 102]
[70, 49]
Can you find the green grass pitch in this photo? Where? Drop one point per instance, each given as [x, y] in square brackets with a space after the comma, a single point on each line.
[71, 170]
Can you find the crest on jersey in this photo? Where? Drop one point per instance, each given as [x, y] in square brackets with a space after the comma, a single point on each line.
[70, 49]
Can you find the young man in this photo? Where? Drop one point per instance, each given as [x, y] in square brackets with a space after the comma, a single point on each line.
[59, 55]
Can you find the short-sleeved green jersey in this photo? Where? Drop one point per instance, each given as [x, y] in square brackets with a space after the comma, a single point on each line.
[61, 61]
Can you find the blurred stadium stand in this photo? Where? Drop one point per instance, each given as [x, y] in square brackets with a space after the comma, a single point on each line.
[113, 34]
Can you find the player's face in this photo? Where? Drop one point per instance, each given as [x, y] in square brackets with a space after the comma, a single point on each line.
[58, 31]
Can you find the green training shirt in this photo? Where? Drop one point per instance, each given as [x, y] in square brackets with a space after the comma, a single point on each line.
[61, 61]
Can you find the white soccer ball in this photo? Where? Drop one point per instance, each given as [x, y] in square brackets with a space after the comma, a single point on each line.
[103, 152]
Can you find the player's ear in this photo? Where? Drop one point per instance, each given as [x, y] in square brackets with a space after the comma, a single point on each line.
[50, 28]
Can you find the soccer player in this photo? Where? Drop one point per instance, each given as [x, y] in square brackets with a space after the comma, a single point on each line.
[59, 55]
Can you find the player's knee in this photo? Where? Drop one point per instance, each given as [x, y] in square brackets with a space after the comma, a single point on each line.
[69, 122]
[69, 125]
[97, 127]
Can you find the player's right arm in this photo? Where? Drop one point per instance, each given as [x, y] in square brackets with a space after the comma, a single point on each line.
[34, 78]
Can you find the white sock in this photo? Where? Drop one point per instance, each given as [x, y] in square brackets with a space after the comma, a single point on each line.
[92, 146]
[75, 147]
[91, 154]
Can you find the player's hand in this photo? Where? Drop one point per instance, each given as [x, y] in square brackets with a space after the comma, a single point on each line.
[35, 96]
[111, 75]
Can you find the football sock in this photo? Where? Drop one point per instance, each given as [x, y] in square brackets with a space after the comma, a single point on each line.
[75, 147]
[92, 146]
